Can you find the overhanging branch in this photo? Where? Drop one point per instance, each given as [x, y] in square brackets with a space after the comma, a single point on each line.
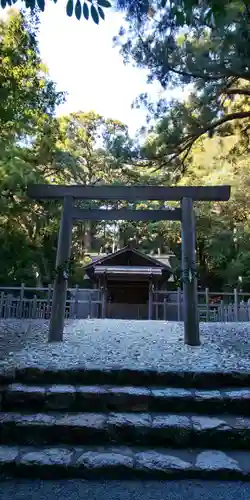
[225, 73]
[186, 144]
[227, 118]
[237, 92]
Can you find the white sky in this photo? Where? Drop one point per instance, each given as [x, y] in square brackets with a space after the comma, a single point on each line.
[83, 62]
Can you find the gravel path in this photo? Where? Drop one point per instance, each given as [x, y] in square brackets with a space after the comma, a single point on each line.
[15, 334]
[122, 343]
[129, 490]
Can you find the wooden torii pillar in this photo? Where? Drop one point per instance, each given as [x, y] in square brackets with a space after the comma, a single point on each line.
[61, 280]
[189, 273]
[185, 194]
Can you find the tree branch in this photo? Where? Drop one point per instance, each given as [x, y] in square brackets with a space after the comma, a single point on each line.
[237, 91]
[227, 118]
[186, 144]
[193, 75]
[206, 76]
[226, 72]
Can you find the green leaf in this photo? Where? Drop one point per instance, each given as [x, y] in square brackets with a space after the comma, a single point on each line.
[85, 10]
[41, 4]
[94, 14]
[69, 8]
[189, 4]
[78, 10]
[104, 3]
[180, 18]
[30, 4]
[101, 13]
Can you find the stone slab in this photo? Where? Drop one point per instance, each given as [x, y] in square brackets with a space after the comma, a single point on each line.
[108, 460]
[124, 399]
[47, 456]
[60, 397]
[133, 463]
[204, 423]
[143, 420]
[82, 420]
[136, 399]
[8, 454]
[152, 461]
[29, 390]
[171, 421]
[215, 459]
[125, 428]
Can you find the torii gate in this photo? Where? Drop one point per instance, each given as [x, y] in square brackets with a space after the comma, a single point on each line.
[185, 194]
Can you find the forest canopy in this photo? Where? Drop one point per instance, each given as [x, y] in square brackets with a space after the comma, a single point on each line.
[135, 9]
[203, 139]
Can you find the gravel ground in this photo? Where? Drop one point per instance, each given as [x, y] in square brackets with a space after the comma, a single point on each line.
[129, 490]
[122, 343]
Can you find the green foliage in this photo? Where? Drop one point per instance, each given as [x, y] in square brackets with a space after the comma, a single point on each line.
[27, 104]
[205, 138]
[37, 147]
[180, 11]
[86, 8]
[70, 8]
[210, 59]
[223, 229]
[28, 96]
[98, 149]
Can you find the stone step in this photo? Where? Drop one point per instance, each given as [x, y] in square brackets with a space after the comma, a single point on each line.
[19, 397]
[124, 376]
[122, 463]
[147, 429]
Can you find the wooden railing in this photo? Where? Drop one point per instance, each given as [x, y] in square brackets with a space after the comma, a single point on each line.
[212, 306]
[27, 302]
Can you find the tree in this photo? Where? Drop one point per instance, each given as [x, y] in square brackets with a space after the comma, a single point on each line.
[97, 148]
[27, 104]
[223, 229]
[179, 9]
[27, 94]
[85, 9]
[212, 59]
[36, 147]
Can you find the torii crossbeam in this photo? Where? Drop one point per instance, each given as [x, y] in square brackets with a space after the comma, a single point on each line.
[185, 194]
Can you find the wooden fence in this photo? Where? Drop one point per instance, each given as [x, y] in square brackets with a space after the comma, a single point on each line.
[213, 306]
[35, 303]
[27, 302]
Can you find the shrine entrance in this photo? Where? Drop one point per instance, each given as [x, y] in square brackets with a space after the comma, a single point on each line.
[126, 279]
[185, 214]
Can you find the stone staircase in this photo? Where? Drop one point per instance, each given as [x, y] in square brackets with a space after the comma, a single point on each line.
[124, 424]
